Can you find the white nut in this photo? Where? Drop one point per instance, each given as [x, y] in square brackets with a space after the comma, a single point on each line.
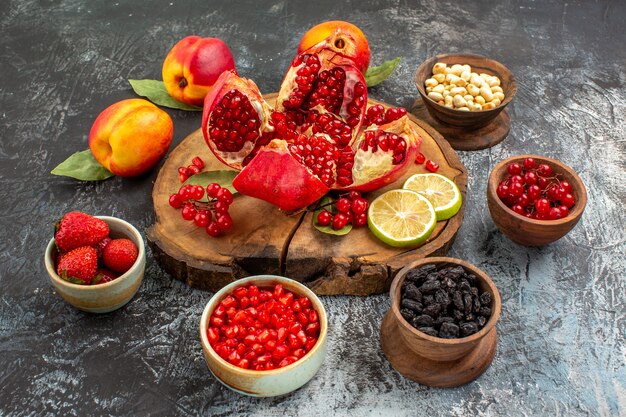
[496, 101]
[493, 81]
[450, 105]
[448, 100]
[428, 89]
[435, 96]
[447, 70]
[498, 95]
[484, 76]
[485, 91]
[476, 80]
[468, 97]
[467, 68]
[439, 88]
[445, 93]
[497, 89]
[489, 106]
[450, 78]
[480, 100]
[457, 69]
[466, 75]
[458, 90]
[431, 82]
[459, 101]
[477, 107]
[439, 68]
[472, 89]
[440, 77]
[464, 108]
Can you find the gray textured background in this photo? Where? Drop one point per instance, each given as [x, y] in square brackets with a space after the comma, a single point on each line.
[563, 326]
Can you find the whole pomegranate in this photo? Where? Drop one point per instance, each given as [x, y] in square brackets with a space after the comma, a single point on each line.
[193, 65]
[343, 37]
[320, 135]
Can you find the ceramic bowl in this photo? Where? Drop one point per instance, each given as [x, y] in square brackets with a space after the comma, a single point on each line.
[273, 382]
[480, 64]
[101, 298]
[435, 348]
[531, 232]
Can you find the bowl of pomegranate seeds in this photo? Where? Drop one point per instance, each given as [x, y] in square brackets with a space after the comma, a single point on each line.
[535, 200]
[95, 263]
[264, 335]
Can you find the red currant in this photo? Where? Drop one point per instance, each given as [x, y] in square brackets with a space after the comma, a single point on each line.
[502, 191]
[516, 189]
[555, 213]
[542, 206]
[359, 205]
[202, 218]
[185, 192]
[340, 220]
[517, 178]
[212, 189]
[514, 168]
[543, 182]
[359, 220]
[534, 192]
[324, 218]
[544, 170]
[353, 195]
[518, 209]
[431, 166]
[224, 222]
[523, 200]
[184, 171]
[564, 211]
[530, 178]
[567, 187]
[197, 192]
[189, 211]
[220, 207]
[213, 229]
[529, 163]
[176, 201]
[568, 200]
[225, 196]
[343, 205]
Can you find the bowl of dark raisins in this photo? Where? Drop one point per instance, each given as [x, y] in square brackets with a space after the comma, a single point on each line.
[443, 308]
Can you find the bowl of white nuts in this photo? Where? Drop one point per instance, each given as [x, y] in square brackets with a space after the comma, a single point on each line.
[465, 90]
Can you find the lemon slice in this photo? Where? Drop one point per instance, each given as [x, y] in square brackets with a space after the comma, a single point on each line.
[401, 218]
[439, 190]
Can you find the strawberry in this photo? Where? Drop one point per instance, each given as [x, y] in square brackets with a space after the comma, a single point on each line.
[101, 245]
[119, 255]
[103, 276]
[79, 265]
[78, 229]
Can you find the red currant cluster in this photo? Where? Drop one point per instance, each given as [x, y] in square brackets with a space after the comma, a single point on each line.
[350, 209]
[185, 172]
[534, 191]
[430, 165]
[213, 214]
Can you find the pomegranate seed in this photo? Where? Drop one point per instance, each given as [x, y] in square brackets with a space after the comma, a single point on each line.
[197, 161]
[431, 166]
[193, 170]
[213, 334]
[420, 158]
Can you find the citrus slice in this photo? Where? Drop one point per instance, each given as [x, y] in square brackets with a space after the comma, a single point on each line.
[439, 190]
[401, 218]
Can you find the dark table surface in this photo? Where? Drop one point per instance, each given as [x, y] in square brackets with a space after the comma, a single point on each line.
[563, 325]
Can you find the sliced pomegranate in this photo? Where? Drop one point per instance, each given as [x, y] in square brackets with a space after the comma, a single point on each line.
[235, 116]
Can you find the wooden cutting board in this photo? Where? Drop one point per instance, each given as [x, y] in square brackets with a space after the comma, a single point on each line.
[266, 241]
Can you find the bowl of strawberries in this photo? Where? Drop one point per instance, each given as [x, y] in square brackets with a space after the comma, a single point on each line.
[95, 263]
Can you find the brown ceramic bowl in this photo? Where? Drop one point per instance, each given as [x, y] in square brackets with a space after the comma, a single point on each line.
[435, 348]
[531, 232]
[102, 298]
[480, 64]
[276, 381]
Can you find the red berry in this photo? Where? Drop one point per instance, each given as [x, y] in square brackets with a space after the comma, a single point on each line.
[225, 196]
[516, 178]
[544, 170]
[359, 205]
[502, 191]
[542, 206]
[420, 158]
[188, 212]
[555, 213]
[534, 192]
[530, 178]
[212, 189]
[224, 222]
[343, 205]
[518, 209]
[359, 220]
[340, 220]
[213, 229]
[523, 200]
[79, 265]
[543, 182]
[516, 189]
[431, 166]
[197, 161]
[185, 192]
[175, 201]
[197, 192]
[220, 207]
[78, 229]
[564, 211]
[119, 255]
[324, 218]
[514, 168]
[183, 174]
[353, 195]
[202, 218]
[568, 200]
[529, 163]
[567, 187]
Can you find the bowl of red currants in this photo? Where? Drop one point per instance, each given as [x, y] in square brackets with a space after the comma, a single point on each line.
[264, 335]
[535, 200]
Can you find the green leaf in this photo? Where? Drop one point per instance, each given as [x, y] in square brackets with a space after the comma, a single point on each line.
[328, 229]
[154, 90]
[82, 166]
[376, 75]
[223, 177]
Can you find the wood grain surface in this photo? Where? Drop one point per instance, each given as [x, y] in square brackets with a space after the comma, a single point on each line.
[356, 264]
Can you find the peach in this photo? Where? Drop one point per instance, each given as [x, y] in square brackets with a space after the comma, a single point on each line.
[192, 67]
[130, 137]
[343, 37]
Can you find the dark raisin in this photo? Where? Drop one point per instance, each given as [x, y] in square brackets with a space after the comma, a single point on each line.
[456, 272]
[432, 310]
[408, 314]
[419, 274]
[457, 315]
[449, 331]
[468, 328]
[465, 287]
[422, 321]
[444, 319]
[475, 304]
[470, 317]
[428, 330]
[467, 303]
[442, 298]
[485, 312]
[474, 291]
[448, 283]
[428, 300]
[471, 278]
[480, 320]
[413, 293]
[485, 299]
[411, 305]
[430, 286]
[457, 299]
